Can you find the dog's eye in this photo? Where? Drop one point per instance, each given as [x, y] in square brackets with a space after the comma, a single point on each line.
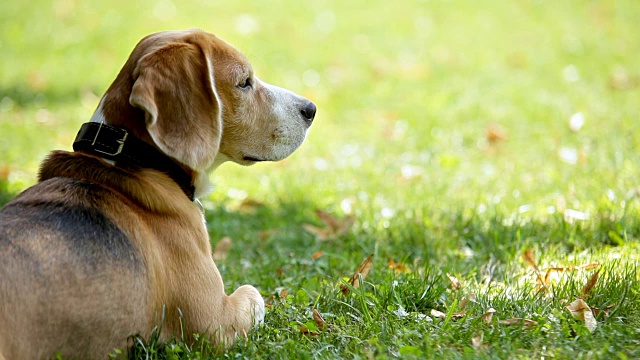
[245, 84]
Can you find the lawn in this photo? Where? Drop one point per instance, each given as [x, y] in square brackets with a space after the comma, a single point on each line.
[486, 153]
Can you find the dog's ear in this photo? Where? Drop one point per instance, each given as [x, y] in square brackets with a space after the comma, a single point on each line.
[175, 86]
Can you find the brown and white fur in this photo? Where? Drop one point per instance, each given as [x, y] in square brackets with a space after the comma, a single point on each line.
[95, 252]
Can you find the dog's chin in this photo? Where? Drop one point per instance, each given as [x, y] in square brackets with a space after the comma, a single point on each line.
[279, 153]
[250, 160]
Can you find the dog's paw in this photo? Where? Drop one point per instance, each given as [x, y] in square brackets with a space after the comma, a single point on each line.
[246, 310]
[251, 303]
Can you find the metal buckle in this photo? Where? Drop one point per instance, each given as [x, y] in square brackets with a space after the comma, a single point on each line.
[120, 141]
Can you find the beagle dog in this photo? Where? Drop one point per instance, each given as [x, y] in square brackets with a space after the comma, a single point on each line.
[110, 243]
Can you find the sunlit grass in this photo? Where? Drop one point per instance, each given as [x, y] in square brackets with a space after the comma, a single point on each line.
[444, 128]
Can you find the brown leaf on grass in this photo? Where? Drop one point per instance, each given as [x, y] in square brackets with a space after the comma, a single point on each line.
[306, 332]
[268, 302]
[605, 310]
[477, 340]
[589, 266]
[398, 267]
[620, 79]
[363, 270]
[319, 320]
[518, 321]
[495, 133]
[438, 314]
[266, 234]
[581, 311]
[4, 172]
[458, 315]
[222, 249]
[334, 226]
[248, 205]
[316, 255]
[320, 233]
[542, 283]
[530, 259]
[590, 321]
[283, 294]
[590, 283]
[455, 283]
[463, 303]
[487, 317]
[465, 300]
[455, 316]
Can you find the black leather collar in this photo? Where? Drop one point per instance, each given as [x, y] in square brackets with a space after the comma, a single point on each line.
[117, 144]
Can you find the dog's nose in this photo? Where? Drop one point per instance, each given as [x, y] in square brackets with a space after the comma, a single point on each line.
[308, 111]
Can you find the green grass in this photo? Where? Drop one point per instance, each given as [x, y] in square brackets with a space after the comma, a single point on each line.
[406, 94]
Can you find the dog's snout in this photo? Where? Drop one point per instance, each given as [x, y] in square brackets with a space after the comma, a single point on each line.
[308, 111]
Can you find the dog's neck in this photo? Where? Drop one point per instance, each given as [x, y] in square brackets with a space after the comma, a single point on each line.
[115, 110]
[118, 145]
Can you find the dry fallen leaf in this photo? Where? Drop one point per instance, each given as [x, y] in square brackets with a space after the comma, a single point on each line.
[455, 316]
[334, 226]
[530, 259]
[329, 219]
[306, 332]
[283, 294]
[319, 233]
[590, 283]
[620, 79]
[4, 172]
[476, 342]
[363, 270]
[455, 283]
[590, 321]
[267, 234]
[605, 310]
[487, 317]
[589, 266]
[222, 249]
[398, 266]
[248, 205]
[495, 133]
[268, 302]
[458, 315]
[463, 303]
[542, 283]
[465, 300]
[581, 311]
[438, 314]
[518, 321]
[319, 320]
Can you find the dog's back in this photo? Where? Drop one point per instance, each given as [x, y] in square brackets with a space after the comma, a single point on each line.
[62, 263]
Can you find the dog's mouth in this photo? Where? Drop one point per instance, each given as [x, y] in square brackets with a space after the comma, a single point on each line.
[251, 158]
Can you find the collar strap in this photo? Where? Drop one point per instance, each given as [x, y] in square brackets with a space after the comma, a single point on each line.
[117, 144]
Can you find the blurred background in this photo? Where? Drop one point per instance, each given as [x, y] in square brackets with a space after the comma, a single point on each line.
[507, 104]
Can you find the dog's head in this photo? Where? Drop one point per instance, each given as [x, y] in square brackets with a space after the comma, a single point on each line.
[198, 100]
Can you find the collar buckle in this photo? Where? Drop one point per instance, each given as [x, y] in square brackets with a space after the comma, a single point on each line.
[120, 141]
